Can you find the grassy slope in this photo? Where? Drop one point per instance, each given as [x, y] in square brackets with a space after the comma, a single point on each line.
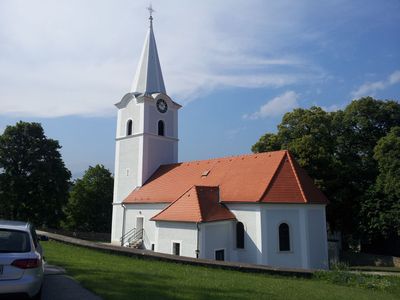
[118, 277]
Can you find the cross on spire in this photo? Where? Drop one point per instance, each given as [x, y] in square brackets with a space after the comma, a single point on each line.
[151, 10]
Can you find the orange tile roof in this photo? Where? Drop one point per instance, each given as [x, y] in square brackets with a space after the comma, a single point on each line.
[270, 177]
[199, 204]
[284, 187]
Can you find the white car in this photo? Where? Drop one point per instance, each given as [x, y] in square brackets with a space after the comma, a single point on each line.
[21, 260]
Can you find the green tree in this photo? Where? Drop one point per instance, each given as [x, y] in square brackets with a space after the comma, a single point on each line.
[362, 124]
[268, 142]
[34, 181]
[381, 208]
[387, 154]
[89, 205]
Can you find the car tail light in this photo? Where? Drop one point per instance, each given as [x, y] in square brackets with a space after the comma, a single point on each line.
[26, 263]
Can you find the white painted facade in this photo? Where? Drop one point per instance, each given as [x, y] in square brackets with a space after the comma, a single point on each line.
[217, 236]
[177, 232]
[308, 240]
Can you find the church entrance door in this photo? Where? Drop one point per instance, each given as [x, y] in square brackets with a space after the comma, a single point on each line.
[139, 227]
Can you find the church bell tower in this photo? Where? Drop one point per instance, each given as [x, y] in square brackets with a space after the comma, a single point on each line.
[147, 130]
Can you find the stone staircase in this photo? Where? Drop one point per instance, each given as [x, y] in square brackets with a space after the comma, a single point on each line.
[136, 244]
[133, 238]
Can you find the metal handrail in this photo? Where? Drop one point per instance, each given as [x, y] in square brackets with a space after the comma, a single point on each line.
[129, 233]
[132, 235]
[137, 236]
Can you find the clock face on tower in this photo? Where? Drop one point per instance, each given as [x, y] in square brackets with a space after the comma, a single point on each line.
[162, 105]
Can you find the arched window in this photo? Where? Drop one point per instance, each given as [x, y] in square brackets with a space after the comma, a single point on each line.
[161, 128]
[129, 128]
[284, 237]
[239, 235]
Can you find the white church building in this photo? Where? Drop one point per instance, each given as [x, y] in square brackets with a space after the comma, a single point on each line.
[257, 208]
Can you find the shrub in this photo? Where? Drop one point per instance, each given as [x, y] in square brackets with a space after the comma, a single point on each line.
[355, 279]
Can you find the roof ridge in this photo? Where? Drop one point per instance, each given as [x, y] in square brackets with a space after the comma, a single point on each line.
[224, 157]
[297, 177]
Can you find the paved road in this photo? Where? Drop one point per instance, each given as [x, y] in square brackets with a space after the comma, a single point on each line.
[59, 286]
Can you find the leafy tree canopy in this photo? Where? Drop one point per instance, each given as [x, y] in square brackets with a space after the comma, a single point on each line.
[34, 181]
[90, 203]
[381, 206]
[387, 154]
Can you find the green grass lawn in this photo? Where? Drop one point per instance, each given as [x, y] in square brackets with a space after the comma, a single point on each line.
[120, 277]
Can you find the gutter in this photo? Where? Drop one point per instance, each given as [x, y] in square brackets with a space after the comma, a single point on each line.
[123, 224]
[198, 238]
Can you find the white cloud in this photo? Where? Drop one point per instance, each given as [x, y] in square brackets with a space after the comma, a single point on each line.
[71, 57]
[394, 77]
[334, 107]
[370, 88]
[276, 106]
[330, 108]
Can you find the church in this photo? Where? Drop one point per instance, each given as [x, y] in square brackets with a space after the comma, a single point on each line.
[258, 208]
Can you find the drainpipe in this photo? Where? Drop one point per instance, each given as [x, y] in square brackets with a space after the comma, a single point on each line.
[198, 237]
[123, 225]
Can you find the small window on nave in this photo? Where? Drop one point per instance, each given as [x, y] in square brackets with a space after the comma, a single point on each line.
[284, 237]
[239, 235]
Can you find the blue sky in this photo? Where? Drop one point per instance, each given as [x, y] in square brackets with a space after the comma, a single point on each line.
[236, 66]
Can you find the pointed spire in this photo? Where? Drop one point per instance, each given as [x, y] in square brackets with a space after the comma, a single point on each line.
[148, 78]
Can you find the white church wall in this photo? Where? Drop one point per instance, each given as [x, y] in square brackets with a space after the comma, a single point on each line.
[128, 172]
[274, 215]
[177, 232]
[127, 156]
[157, 151]
[216, 236]
[318, 245]
[116, 225]
[145, 211]
[128, 151]
[249, 215]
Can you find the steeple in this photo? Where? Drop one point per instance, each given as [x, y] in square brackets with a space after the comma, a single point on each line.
[148, 78]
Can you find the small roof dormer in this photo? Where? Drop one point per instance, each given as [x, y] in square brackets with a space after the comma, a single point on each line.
[148, 78]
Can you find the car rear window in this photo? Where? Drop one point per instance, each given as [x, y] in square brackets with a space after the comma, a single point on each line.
[12, 241]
